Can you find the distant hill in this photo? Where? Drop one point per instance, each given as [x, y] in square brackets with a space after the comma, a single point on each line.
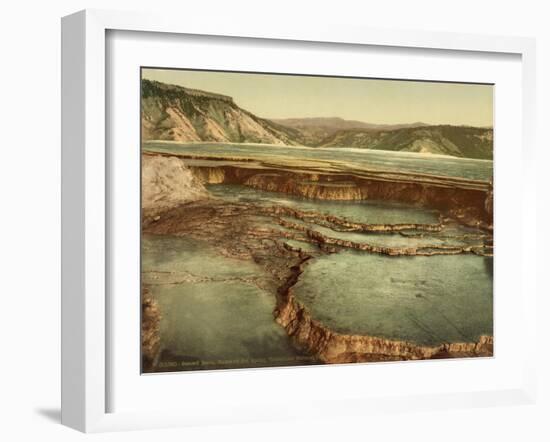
[458, 141]
[314, 130]
[177, 113]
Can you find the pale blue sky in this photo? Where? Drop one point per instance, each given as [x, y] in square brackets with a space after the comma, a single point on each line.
[369, 100]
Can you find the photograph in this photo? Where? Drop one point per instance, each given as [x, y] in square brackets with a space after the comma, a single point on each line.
[255, 222]
[296, 220]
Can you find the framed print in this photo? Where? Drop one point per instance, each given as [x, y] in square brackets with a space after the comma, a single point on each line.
[250, 212]
[373, 241]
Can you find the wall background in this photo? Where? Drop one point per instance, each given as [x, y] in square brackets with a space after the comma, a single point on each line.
[30, 216]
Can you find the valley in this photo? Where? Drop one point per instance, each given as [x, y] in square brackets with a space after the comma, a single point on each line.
[176, 113]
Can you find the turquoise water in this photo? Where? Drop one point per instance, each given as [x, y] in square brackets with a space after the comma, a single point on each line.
[217, 312]
[371, 212]
[363, 158]
[425, 300]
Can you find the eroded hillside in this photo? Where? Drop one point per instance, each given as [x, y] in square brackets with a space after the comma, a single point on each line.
[457, 141]
[176, 113]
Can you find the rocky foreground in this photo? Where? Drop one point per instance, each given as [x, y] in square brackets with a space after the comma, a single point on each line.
[167, 183]
[237, 231]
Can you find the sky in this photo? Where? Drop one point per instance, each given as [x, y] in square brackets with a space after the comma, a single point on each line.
[369, 100]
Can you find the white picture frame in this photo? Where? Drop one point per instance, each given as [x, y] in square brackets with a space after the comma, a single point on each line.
[85, 214]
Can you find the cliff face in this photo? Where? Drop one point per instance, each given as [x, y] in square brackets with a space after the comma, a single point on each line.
[471, 204]
[167, 183]
[312, 188]
[180, 114]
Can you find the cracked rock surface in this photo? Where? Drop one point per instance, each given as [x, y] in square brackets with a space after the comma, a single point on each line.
[283, 240]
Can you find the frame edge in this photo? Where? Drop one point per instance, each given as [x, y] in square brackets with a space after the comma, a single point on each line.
[73, 80]
[83, 329]
[83, 206]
